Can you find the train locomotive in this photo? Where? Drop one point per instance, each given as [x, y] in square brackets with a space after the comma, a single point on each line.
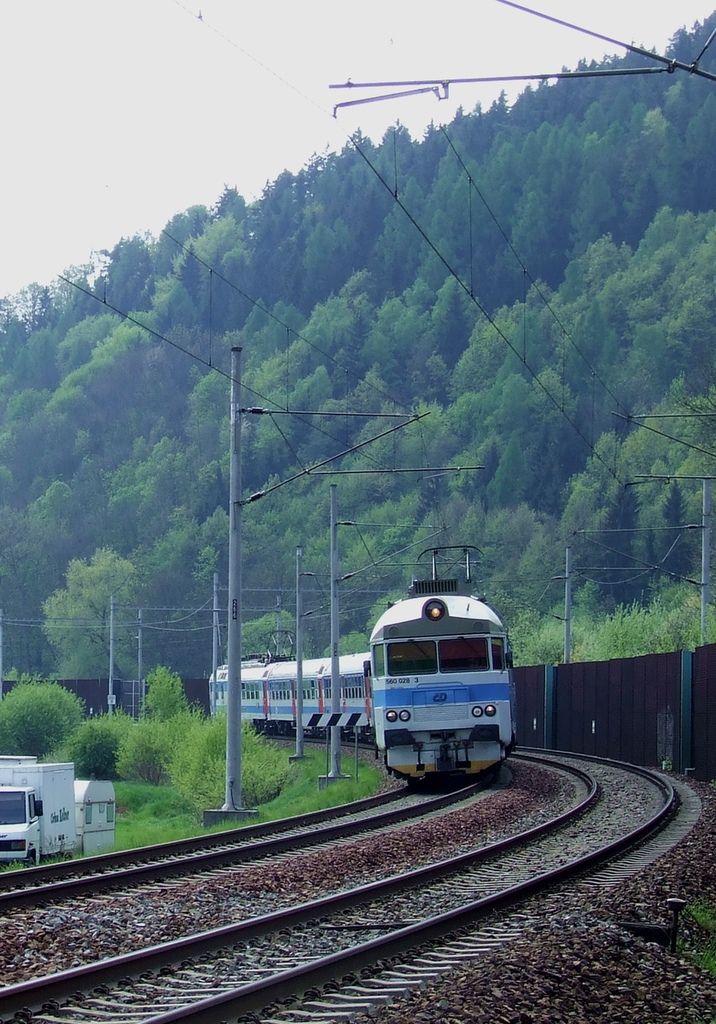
[443, 694]
[435, 692]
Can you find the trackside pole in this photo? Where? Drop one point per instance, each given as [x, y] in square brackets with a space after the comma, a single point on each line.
[232, 807]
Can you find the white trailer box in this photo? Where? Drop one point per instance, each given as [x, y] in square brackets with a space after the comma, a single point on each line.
[37, 816]
[95, 815]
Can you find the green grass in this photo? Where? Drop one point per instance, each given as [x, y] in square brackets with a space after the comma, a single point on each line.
[156, 814]
[149, 814]
[705, 916]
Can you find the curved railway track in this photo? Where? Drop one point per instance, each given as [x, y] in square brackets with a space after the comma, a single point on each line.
[240, 968]
[91, 875]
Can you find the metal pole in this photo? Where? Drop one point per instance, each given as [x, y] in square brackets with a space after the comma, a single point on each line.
[232, 796]
[140, 666]
[335, 771]
[705, 556]
[567, 608]
[215, 633]
[110, 684]
[299, 654]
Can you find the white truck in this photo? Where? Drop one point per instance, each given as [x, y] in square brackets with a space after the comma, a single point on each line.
[37, 809]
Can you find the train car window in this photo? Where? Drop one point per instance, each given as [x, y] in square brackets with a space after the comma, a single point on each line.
[464, 654]
[498, 656]
[379, 659]
[412, 657]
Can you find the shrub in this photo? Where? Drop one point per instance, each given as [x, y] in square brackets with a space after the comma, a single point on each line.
[165, 695]
[94, 745]
[198, 765]
[36, 717]
[144, 752]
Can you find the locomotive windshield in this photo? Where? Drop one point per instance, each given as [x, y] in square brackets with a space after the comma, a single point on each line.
[456, 654]
[464, 654]
[412, 658]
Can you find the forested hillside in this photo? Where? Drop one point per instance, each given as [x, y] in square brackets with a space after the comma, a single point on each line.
[531, 277]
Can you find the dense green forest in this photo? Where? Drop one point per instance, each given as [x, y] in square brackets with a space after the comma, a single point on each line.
[531, 277]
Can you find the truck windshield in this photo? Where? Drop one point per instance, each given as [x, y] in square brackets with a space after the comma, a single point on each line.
[12, 808]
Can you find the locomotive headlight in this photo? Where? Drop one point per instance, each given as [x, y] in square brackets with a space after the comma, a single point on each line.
[477, 711]
[434, 610]
[490, 710]
[391, 716]
[404, 716]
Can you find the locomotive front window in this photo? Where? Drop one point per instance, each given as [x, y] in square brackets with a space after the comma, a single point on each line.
[498, 654]
[412, 658]
[379, 659]
[463, 654]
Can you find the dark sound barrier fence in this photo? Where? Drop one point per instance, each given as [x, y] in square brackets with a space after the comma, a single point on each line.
[94, 693]
[655, 710]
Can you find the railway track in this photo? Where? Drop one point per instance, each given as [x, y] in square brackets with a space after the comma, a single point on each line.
[93, 875]
[256, 963]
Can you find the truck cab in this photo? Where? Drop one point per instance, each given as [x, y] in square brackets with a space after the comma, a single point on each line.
[37, 809]
[20, 813]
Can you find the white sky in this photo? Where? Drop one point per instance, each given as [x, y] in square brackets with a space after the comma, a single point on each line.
[117, 114]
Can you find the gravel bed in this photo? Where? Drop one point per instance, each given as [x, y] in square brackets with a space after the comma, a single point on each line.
[580, 965]
[575, 964]
[46, 940]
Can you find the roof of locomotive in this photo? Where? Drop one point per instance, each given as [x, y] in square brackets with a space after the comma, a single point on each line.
[464, 613]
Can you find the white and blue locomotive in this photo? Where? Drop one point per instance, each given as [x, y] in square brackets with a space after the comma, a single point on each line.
[443, 695]
[435, 691]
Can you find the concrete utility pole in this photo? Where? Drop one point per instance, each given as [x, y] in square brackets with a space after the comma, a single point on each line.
[335, 769]
[299, 655]
[232, 807]
[140, 667]
[567, 607]
[705, 555]
[110, 684]
[232, 797]
[215, 630]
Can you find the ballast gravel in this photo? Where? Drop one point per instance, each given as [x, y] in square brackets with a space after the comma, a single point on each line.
[44, 941]
[577, 964]
[582, 965]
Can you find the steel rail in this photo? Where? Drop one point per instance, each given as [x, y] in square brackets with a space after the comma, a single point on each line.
[190, 856]
[34, 993]
[177, 847]
[260, 994]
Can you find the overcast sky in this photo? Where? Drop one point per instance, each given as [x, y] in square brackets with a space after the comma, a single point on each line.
[117, 114]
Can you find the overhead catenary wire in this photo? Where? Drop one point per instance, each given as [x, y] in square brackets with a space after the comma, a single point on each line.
[482, 308]
[441, 86]
[669, 437]
[438, 84]
[204, 362]
[272, 316]
[525, 270]
[210, 282]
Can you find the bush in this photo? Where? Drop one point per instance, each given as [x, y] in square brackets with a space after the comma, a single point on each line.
[145, 751]
[198, 765]
[165, 695]
[94, 745]
[37, 717]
